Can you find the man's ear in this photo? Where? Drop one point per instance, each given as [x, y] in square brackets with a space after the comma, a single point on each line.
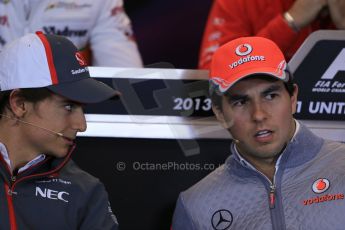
[17, 103]
[294, 99]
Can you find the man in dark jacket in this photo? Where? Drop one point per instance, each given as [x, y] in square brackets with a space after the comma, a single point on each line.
[44, 82]
[279, 175]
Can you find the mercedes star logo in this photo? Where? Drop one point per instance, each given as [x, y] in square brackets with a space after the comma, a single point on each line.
[221, 219]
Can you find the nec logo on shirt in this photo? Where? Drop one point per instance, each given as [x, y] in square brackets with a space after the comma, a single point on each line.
[52, 194]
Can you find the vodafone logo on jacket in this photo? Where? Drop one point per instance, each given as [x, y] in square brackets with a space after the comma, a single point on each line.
[320, 185]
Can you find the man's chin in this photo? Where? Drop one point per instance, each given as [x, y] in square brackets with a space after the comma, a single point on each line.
[59, 154]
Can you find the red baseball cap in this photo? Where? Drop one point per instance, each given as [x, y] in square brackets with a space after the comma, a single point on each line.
[244, 57]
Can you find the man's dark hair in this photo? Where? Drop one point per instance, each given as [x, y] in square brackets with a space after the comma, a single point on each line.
[30, 94]
[216, 95]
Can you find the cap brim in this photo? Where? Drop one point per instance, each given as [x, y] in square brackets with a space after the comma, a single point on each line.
[85, 91]
[269, 72]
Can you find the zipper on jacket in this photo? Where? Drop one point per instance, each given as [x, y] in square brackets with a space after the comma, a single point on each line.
[10, 192]
[12, 216]
[272, 192]
[13, 180]
[272, 196]
[274, 200]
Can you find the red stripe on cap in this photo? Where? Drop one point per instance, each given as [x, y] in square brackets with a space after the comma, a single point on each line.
[49, 55]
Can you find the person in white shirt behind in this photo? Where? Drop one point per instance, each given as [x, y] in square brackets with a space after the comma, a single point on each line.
[101, 29]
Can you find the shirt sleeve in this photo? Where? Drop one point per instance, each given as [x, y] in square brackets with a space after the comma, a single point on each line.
[98, 214]
[228, 20]
[181, 219]
[111, 39]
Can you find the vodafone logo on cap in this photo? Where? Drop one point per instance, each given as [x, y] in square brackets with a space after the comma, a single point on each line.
[81, 59]
[243, 50]
[320, 185]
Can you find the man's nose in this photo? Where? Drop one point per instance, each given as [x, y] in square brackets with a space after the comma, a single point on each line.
[259, 112]
[79, 121]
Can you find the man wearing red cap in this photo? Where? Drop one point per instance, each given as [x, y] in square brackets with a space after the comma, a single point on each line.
[279, 175]
[44, 83]
[286, 22]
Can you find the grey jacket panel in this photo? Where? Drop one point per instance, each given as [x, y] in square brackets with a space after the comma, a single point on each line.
[67, 199]
[237, 197]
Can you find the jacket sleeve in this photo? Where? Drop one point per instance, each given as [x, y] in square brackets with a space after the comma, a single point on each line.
[98, 214]
[111, 38]
[182, 219]
[228, 20]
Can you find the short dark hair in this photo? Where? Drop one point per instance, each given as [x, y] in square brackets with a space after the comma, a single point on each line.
[30, 94]
[216, 95]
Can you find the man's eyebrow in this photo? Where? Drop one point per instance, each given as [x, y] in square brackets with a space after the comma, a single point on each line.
[272, 88]
[68, 101]
[236, 97]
